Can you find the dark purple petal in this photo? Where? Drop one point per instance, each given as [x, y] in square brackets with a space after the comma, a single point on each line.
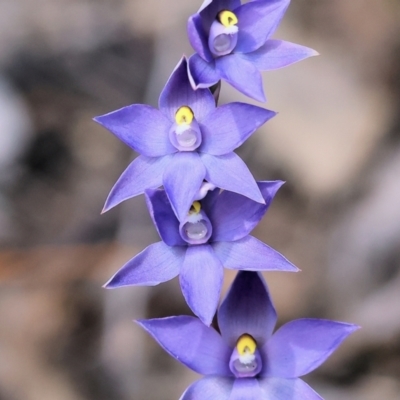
[155, 264]
[178, 92]
[229, 172]
[234, 216]
[285, 389]
[142, 127]
[301, 346]
[276, 54]
[164, 217]
[247, 308]
[198, 38]
[257, 21]
[201, 281]
[246, 389]
[182, 180]
[209, 388]
[228, 126]
[252, 255]
[242, 75]
[189, 341]
[202, 74]
[142, 173]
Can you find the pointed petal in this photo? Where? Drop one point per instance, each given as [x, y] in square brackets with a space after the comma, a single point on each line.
[242, 75]
[234, 216]
[143, 173]
[198, 38]
[201, 281]
[228, 126]
[284, 389]
[247, 308]
[157, 263]
[209, 388]
[202, 74]
[257, 21]
[182, 180]
[251, 255]
[143, 128]
[301, 346]
[276, 54]
[164, 217]
[246, 389]
[229, 172]
[178, 92]
[192, 343]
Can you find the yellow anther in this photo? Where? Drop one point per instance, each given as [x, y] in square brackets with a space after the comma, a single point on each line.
[246, 345]
[227, 18]
[184, 116]
[196, 207]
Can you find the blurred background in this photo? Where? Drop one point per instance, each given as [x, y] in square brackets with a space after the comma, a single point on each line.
[336, 141]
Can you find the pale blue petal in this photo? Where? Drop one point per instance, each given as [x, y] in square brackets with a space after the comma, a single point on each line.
[229, 172]
[143, 173]
[192, 343]
[250, 254]
[157, 263]
[201, 281]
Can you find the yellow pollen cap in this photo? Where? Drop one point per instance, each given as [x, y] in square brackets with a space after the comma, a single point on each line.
[246, 345]
[184, 116]
[196, 207]
[227, 18]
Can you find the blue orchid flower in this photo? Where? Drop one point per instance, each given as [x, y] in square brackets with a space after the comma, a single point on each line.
[232, 42]
[246, 360]
[187, 140]
[214, 234]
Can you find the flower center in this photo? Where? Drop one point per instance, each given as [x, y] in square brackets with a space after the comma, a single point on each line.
[245, 361]
[223, 33]
[227, 18]
[196, 228]
[185, 134]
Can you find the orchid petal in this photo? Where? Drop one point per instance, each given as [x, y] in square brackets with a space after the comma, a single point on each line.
[228, 126]
[164, 217]
[143, 173]
[157, 263]
[178, 92]
[143, 128]
[234, 216]
[192, 343]
[202, 74]
[201, 281]
[229, 172]
[246, 388]
[284, 389]
[276, 54]
[257, 21]
[209, 388]
[182, 180]
[198, 38]
[301, 346]
[247, 308]
[242, 75]
[250, 254]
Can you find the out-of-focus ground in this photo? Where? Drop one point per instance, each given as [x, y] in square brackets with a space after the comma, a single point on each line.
[336, 141]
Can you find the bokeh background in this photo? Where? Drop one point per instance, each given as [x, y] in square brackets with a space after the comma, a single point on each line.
[336, 141]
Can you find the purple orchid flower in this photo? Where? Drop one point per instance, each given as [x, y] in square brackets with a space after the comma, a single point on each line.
[247, 361]
[232, 42]
[214, 234]
[187, 140]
